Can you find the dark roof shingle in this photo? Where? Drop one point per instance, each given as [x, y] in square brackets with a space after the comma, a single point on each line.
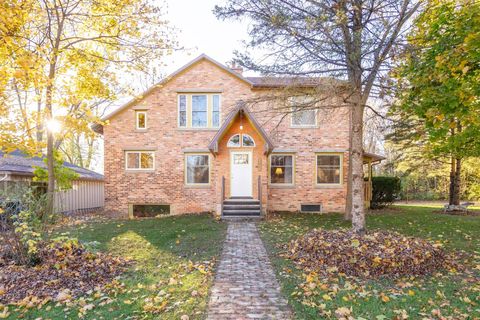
[17, 162]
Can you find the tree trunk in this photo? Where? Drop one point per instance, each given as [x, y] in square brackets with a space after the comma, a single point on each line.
[452, 181]
[456, 182]
[348, 205]
[50, 138]
[358, 210]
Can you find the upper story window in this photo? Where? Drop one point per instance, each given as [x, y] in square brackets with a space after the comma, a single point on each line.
[240, 140]
[329, 169]
[182, 110]
[304, 113]
[141, 120]
[199, 110]
[139, 160]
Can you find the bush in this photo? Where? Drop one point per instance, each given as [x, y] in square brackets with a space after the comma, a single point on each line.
[385, 191]
[21, 225]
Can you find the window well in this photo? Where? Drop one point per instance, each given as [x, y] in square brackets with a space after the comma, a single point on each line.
[150, 210]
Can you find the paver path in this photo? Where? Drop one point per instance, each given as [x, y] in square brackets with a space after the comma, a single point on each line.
[245, 286]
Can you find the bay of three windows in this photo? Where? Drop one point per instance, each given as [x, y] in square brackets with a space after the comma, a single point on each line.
[198, 110]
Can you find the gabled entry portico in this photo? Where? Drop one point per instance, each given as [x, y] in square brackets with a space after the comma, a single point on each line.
[240, 149]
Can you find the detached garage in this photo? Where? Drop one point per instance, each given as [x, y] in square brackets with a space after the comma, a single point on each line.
[16, 169]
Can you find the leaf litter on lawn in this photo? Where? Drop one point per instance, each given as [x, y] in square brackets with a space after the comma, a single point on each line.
[376, 254]
[65, 272]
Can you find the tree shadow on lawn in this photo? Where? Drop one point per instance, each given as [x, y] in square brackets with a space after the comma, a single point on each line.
[171, 276]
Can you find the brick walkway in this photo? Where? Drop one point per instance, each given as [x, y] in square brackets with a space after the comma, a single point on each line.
[245, 286]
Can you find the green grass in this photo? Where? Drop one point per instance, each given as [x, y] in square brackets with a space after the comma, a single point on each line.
[170, 255]
[455, 295]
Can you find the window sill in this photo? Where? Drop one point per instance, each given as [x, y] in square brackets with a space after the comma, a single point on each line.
[281, 186]
[329, 186]
[197, 186]
[141, 130]
[304, 127]
[139, 170]
[198, 129]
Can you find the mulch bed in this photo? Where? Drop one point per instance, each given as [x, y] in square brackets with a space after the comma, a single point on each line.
[65, 272]
[377, 254]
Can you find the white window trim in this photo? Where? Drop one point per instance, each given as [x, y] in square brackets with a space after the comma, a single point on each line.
[139, 169]
[137, 113]
[320, 185]
[293, 125]
[270, 170]
[209, 170]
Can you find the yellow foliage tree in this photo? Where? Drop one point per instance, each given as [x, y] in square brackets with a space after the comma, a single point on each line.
[60, 59]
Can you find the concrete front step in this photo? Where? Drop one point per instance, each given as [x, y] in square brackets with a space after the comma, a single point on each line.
[241, 202]
[241, 207]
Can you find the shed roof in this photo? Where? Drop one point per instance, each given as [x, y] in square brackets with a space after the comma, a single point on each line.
[19, 163]
[368, 156]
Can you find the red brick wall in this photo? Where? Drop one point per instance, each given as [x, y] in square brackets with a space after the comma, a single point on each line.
[165, 185]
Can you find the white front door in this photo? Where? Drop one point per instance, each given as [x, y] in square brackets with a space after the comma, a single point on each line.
[241, 174]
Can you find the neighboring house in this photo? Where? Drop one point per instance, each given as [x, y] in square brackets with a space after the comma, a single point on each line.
[207, 134]
[17, 169]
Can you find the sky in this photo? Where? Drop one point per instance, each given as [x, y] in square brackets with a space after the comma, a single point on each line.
[201, 32]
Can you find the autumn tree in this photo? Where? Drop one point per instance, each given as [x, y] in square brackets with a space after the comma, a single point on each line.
[438, 86]
[61, 58]
[349, 39]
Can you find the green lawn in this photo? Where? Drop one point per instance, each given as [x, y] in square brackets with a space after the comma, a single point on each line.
[454, 296]
[172, 275]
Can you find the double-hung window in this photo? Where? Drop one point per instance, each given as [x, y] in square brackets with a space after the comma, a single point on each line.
[329, 169]
[197, 169]
[182, 110]
[215, 110]
[139, 160]
[304, 113]
[198, 110]
[281, 169]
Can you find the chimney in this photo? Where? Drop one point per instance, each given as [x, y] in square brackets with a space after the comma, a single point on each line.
[236, 68]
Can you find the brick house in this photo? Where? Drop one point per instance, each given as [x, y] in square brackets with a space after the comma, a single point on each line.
[207, 139]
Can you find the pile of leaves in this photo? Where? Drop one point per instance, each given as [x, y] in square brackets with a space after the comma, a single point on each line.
[375, 254]
[66, 270]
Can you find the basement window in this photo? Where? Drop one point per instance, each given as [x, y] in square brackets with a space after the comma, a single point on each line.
[150, 210]
[311, 208]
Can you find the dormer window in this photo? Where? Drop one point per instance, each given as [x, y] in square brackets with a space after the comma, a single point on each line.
[141, 120]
